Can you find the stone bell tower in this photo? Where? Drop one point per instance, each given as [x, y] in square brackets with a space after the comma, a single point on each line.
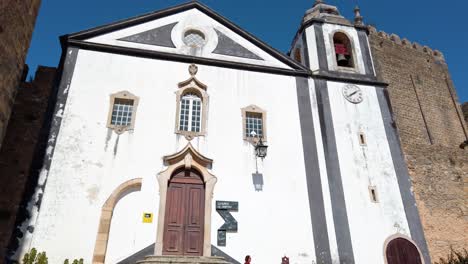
[365, 201]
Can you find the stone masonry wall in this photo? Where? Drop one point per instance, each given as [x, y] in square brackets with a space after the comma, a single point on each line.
[17, 19]
[20, 155]
[465, 111]
[431, 127]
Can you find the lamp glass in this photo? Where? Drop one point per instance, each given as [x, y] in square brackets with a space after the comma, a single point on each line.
[261, 150]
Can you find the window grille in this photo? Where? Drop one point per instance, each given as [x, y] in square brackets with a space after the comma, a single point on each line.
[253, 125]
[194, 38]
[122, 112]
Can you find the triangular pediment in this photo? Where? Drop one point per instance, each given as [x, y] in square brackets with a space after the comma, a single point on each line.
[166, 31]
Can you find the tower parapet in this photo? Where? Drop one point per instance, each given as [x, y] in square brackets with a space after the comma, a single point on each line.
[406, 43]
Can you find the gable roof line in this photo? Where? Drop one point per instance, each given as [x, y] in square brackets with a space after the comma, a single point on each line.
[184, 58]
[180, 8]
[100, 30]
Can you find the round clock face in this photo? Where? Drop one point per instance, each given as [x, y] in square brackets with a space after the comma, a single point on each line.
[353, 93]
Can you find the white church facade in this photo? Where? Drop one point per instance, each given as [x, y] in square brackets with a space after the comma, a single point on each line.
[177, 133]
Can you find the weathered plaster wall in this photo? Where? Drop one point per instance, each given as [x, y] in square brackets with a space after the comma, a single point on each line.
[311, 48]
[19, 159]
[348, 174]
[363, 166]
[17, 19]
[431, 128]
[90, 161]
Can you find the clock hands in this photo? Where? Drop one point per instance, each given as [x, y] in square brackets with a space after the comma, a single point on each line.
[355, 92]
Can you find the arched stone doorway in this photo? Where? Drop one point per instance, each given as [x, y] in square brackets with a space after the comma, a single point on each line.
[186, 160]
[100, 248]
[400, 250]
[184, 216]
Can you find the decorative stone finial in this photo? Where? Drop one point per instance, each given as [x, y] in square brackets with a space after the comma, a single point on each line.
[357, 16]
[193, 69]
[318, 2]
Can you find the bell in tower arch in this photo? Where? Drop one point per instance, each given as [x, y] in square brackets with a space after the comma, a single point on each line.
[342, 50]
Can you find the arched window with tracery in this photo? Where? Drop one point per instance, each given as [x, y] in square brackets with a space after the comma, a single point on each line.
[190, 112]
[343, 50]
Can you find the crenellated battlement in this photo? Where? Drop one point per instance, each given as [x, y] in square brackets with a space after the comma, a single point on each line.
[407, 43]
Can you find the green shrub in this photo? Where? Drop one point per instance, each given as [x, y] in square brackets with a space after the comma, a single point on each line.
[75, 261]
[33, 258]
[455, 258]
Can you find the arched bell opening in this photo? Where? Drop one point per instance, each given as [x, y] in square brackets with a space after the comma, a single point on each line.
[343, 50]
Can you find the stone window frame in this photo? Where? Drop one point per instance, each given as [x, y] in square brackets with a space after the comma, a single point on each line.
[192, 85]
[253, 109]
[355, 68]
[126, 95]
[194, 50]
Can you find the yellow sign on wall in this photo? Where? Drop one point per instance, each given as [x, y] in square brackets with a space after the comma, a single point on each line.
[148, 218]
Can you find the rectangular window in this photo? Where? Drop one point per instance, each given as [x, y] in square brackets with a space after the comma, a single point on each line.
[122, 112]
[253, 125]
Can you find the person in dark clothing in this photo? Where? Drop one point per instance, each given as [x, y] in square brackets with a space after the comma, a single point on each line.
[247, 259]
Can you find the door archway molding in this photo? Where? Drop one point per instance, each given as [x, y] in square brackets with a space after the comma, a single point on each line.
[395, 236]
[107, 210]
[188, 158]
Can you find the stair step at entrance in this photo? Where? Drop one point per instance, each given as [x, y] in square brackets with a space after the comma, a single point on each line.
[182, 260]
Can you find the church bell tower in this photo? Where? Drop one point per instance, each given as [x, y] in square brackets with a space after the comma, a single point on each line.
[362, 206]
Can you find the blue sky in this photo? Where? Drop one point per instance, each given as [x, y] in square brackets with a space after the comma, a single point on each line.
[439, 25]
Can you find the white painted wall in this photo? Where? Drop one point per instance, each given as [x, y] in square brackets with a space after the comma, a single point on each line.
[312, 48]
[90, 161]
[323, 175]
[361, 166]
[190, 19]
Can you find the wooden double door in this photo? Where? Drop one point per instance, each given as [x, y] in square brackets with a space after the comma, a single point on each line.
[185, 215]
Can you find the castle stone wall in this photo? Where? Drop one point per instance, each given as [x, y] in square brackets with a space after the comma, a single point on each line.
[465, 111]
[20, 157]
[17, 19]
[431, 127]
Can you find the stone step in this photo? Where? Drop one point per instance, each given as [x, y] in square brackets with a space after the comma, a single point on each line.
[182, 260]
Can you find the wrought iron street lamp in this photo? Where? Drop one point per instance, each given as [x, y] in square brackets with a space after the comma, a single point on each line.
[261, 149]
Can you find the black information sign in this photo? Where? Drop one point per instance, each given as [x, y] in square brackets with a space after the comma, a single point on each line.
[224, 205]
[230, 224]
